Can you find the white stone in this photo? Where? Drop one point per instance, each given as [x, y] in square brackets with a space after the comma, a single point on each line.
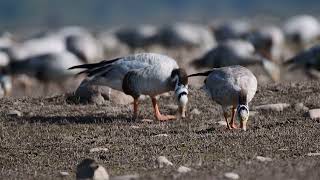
[99, 149]
[14, 113]
[273, 107]
[222, 123]
[263, 159]
[195, 111]
[173, 107]
[314, 113]
[161, 135]
[163, 161]
[147, 120]
[64, 173]
[134, 127]
[183, 169]
[231, 175]
[314, 154]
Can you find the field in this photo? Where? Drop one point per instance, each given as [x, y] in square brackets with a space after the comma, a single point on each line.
[53, 135]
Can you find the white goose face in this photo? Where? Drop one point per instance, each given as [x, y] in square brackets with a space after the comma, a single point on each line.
[243, 116]
[179, 77]
[181, 94]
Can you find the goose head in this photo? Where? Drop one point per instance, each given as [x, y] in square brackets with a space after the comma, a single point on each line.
[180, 79]
[243, 116]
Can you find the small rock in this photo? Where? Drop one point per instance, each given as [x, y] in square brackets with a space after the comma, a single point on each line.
[222, 123]
[99, 149]
[161, 135]
[263, 159]
[147, 120]
[89, 169]
[94, 94]
[301, 107]
[183, 169]
[173, 107]
[126, 177]
[163, 161]
[135, 127]
[313, 154]
[64, 173]
[254, 113]
[195, 111]
[314, 113]
[273, 107]
[15, 113]
[231, 175]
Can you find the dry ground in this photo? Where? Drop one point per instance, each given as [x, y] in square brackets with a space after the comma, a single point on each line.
[53, 135]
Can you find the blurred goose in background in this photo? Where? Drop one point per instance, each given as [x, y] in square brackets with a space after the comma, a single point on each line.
[142, 74]
[237, 29]
[233, 86]
[5, 85]
[236, 52]
[111, 43]
[36, 46]
[309, 60]
[186, 35]
[302, 31]
[137, 37]
[82, 43]
[47, 68]
[6, 40]
[269, 42]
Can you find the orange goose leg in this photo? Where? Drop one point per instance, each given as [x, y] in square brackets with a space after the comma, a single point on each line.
[232, 124]
[135, 108]
[157, 113]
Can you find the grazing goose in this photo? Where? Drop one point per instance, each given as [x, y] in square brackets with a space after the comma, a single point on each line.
[302, 30]
[233, 86]
[145, 73]
[5, 85]
[308, 60]
[269, 42]
[236, 52]
[137, 37]
[237, 29]
[52, 67]
[186, 35]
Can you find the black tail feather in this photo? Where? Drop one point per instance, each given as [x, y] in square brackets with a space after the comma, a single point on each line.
[94, 65]
[206, 73]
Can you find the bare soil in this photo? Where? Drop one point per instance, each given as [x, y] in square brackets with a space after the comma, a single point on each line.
[54, 135]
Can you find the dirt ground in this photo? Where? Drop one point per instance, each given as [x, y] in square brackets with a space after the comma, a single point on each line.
[53, 135]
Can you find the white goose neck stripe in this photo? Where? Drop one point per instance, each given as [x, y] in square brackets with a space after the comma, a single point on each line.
[241, 106]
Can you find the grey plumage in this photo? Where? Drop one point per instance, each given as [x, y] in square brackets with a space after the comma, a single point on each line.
[307, 60]
[233, 86]
[236, 52]
[139, 74]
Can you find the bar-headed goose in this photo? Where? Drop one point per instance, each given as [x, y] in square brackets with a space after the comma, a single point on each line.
[145, 73]
[308, 60]
[302, 31]
[233, 86]
[236, 52]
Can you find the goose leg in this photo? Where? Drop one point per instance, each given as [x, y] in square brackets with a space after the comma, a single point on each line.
[135, 108]
[157, 113]
[232, 124]
[225, 114]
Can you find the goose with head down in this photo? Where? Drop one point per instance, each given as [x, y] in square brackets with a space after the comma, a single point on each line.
[142, 74]
[233, 86]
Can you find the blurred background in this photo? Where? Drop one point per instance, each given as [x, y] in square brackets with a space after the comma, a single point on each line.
[101, 13]
[41, 39]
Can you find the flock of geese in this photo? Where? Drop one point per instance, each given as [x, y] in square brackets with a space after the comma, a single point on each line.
[226, 49]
